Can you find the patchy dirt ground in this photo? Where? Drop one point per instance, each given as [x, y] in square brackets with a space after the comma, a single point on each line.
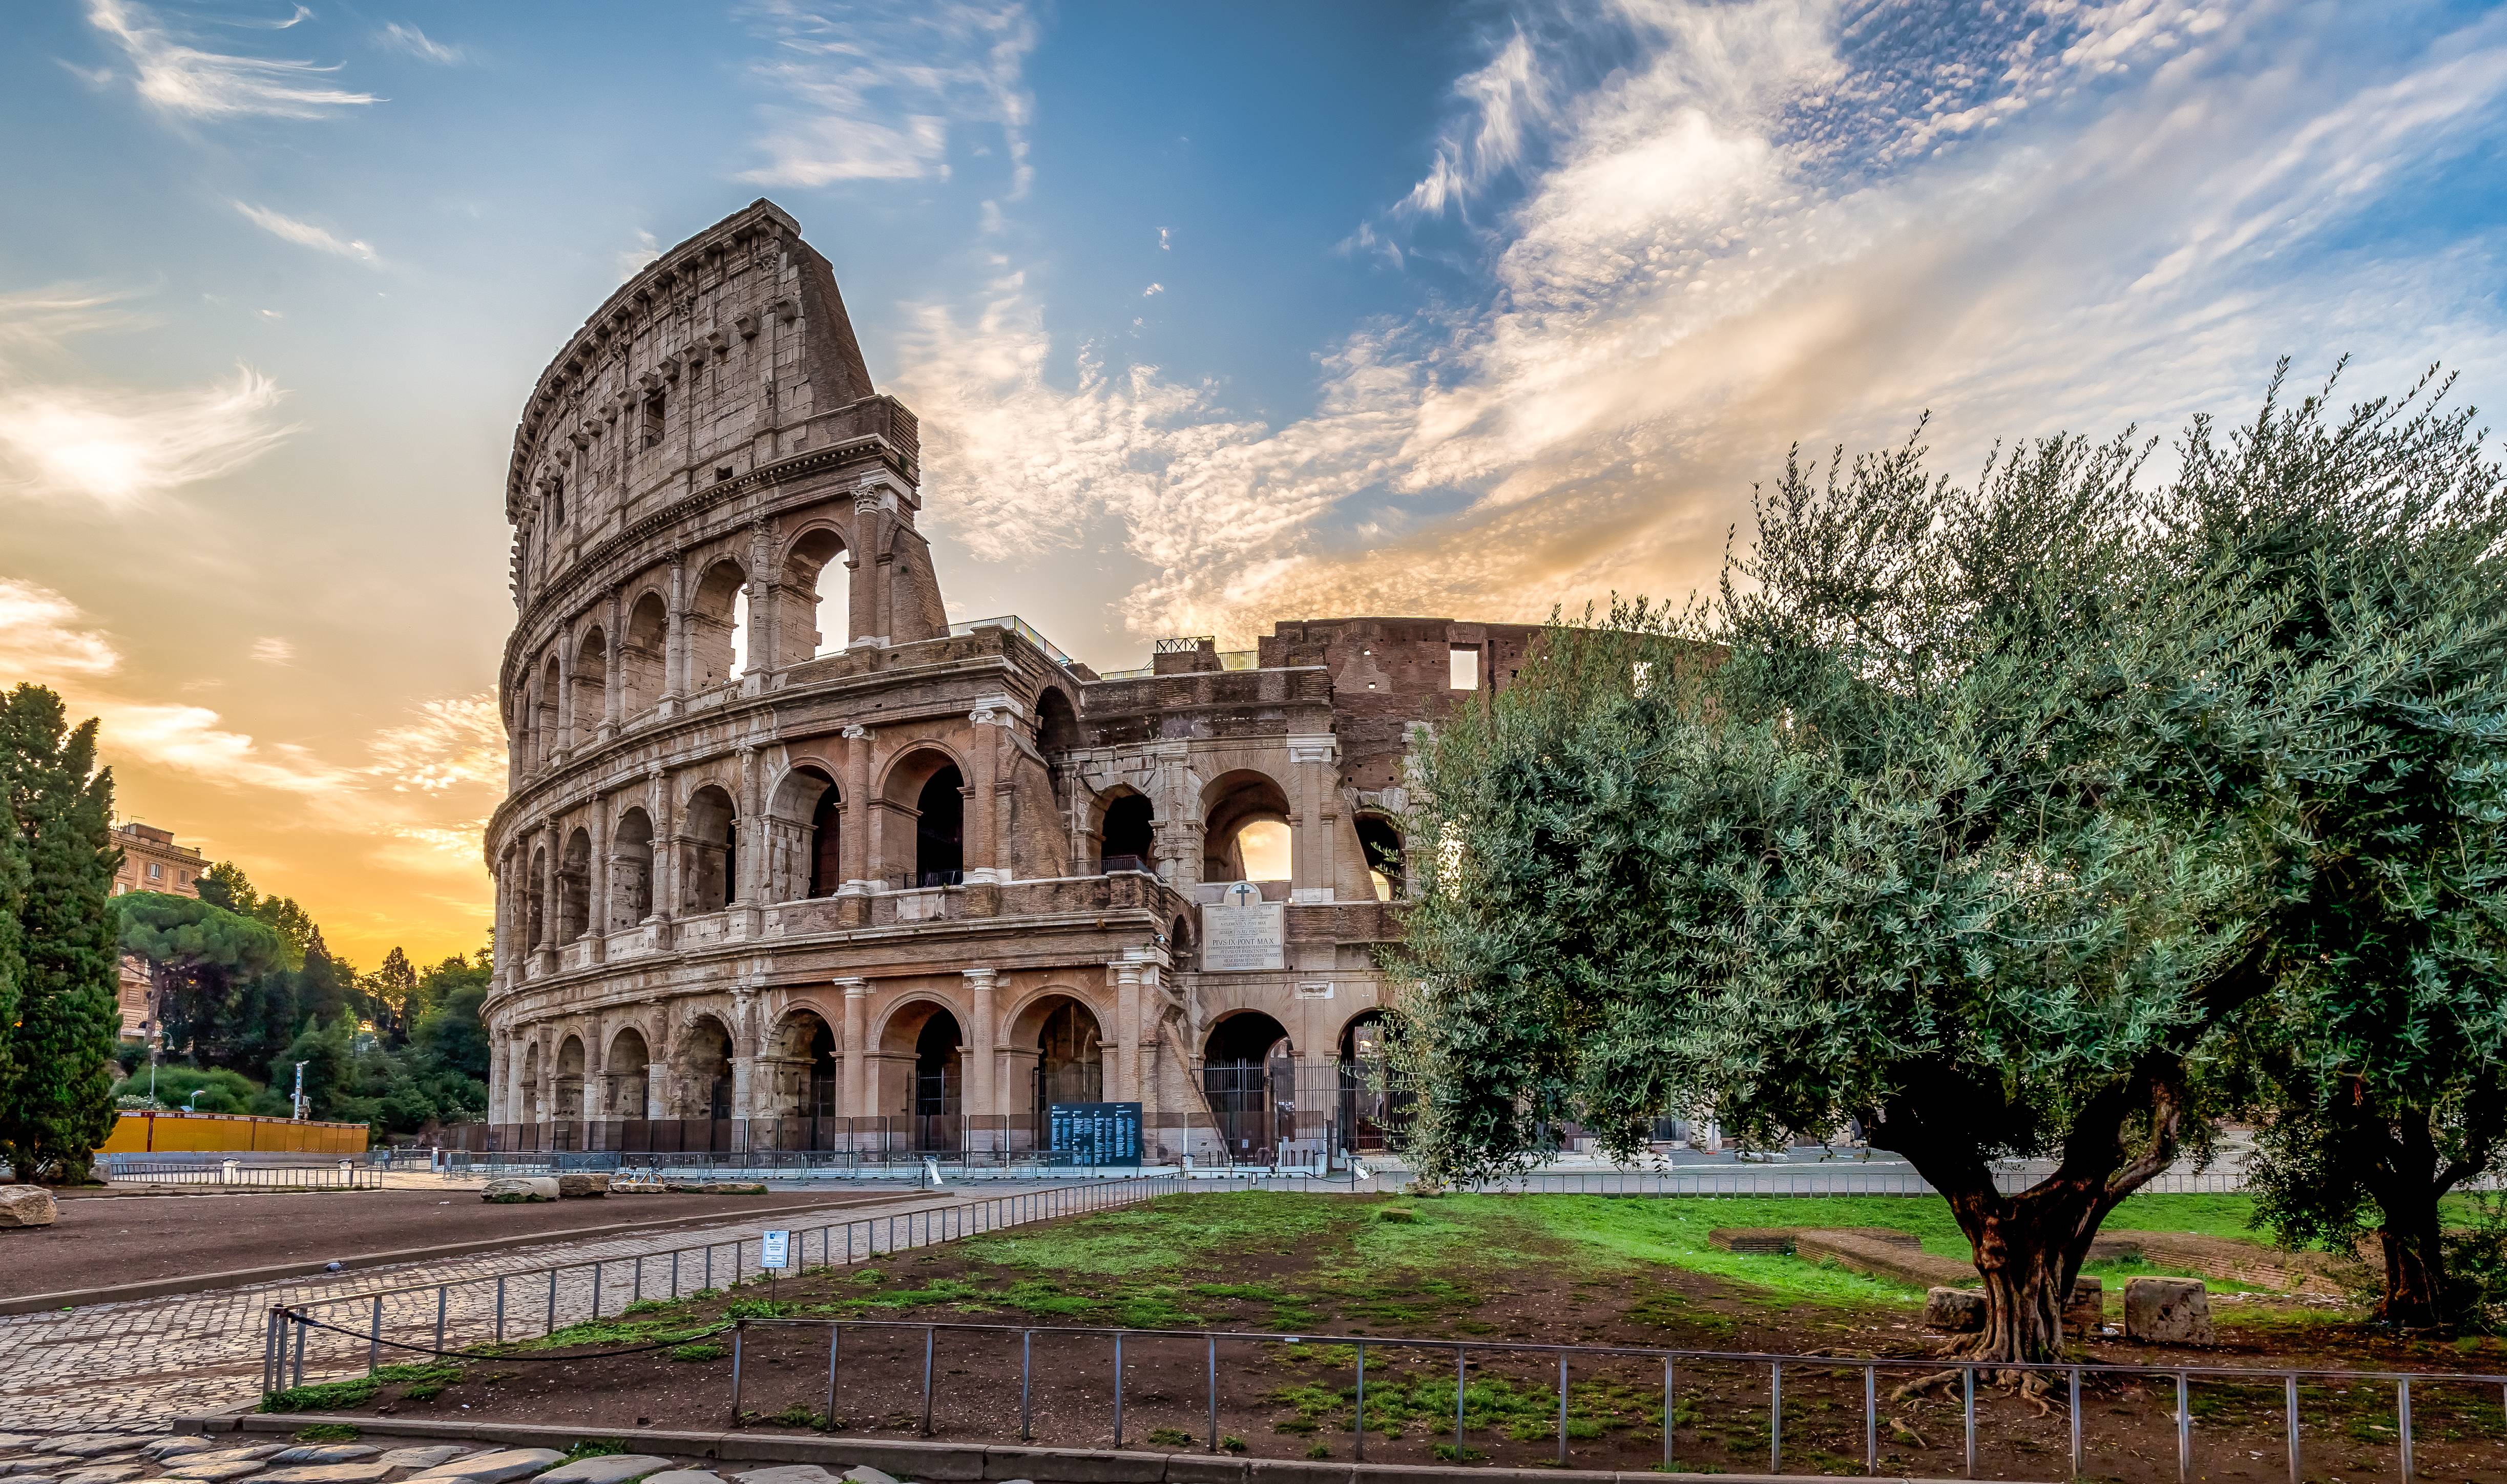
[107, 1240]
[1483, 1270]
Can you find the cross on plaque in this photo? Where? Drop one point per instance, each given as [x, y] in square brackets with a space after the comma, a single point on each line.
[1244, 894]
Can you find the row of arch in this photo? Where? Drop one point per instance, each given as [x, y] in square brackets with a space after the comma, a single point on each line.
[813, 596]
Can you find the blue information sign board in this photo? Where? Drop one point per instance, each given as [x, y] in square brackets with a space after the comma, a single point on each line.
[1096, 1133]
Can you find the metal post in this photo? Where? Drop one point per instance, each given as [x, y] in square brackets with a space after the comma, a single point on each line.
[595, 1291]
[2076, 1469]
[1871, 1421]
[2184, 1432]
[552, 1302]
[2403, 1422]
[439, 1316]
[708, 1265]
[1775, 1416]
[1562, 1408]
[1214, 1394]
[1360, 1415]
[501, 1308]
[1027, 1372]
[675, 1274]
[300, 1329]
[635, 1294]
[928, 1332]
[1461, 1380]
[835, 1342]
[2289, 1407]
[1118, 1385]
[375, 1338]
[739, 1327]
[1666, 1414]
[1967, 1382]
[269, 1349]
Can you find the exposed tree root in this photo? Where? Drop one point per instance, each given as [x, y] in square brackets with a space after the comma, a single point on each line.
[1922, 1384]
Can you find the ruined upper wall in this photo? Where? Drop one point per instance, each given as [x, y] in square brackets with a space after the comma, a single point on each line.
[716, 357]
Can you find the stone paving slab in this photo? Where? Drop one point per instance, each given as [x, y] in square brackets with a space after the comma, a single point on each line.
[131, 1367]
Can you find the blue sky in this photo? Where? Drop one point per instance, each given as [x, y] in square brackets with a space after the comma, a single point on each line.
[1213, 314]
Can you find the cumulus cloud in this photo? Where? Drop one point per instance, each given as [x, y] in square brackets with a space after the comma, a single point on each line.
[449, 744]
[45, 638]
[1701, 232]
[871, 91]
[181, 79]
[417, 42]
[288, 229]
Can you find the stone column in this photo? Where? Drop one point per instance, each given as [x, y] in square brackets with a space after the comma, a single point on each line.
[765, 600]
[1313, 867]
[666, 850]
[747, 840]
[548, 889]
[853, 1097]
[983, 844]
[858, 861]
[982, 1036]
[744, 1053]
[596, 905]
[613, 661]
[674, 645]
[868, 596]
[565, 696]
[1127, 1031]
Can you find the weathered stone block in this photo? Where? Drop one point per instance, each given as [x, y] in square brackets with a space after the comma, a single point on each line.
[1959, 1311]
[519, 1189]
[428, 1456]
[685, 1476]
[2167, 1311]
[577, 1185]
[2086, 1308]
[493, 1468]
[365, 1472]
[325, 1452]
[213, 1467]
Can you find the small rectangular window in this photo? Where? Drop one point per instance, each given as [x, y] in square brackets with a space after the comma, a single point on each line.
[1463, 670]
[155, 872]
[653, 419]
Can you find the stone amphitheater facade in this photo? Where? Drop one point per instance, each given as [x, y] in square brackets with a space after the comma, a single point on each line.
[895, 881]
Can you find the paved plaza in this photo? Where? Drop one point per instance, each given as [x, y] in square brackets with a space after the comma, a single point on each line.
[133, 1366]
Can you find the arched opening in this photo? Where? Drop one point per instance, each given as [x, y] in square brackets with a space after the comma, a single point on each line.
[591, 687]
[1249, 1074]
[807, 823]
[630, 871]
[574, 887]
[940, 829]
[1381, 844]
[1246, 835]
[569, 1080]
[552, 737]
[536, 902]
[523, 741]
[628, 1071]
[1371, 1111]
[802, 1066]
[1057, 725]
[705, 1070]
[1128, 840]
[531, 1104]
[640, 657]
[708, 843]
[938, 1076]
[814, 599]
[716, 621]
[1179, 946]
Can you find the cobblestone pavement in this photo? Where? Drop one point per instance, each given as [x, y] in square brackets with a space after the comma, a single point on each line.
[133, 1366]
[109, 1458]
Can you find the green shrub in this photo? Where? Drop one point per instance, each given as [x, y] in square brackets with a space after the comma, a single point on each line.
[327, 1432]
[703, 1349]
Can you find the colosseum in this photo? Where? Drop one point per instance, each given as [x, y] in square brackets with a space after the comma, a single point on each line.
[791, 860]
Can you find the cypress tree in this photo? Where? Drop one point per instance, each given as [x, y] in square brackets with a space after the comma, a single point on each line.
[56, 1076]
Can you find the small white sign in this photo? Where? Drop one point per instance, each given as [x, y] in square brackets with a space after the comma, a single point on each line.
[1242, 931]
[774, 1250]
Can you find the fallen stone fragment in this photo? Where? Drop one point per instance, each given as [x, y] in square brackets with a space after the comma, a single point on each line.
[325, 1452]
[23, 1206]
[2086, 1308]
[491, 1467]
[614, 1469]
[577, 1185]
[2167, 1311]
[422, 1457]
[1959, 1311]
[511, 1189]
[685, 1476]
[365, 1472]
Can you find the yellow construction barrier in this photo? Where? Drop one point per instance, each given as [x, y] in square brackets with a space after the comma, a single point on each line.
[231, 1133]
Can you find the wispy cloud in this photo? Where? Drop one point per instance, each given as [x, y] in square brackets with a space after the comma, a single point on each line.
[288, 229]
[121, 447]
[631, 261]
[272, 651]
[1761, 222]
[44, 318]
[43, 637]
[871, 92]
[416, 43]
[191, 82]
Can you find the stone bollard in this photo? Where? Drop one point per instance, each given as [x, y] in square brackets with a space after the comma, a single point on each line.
[1959, 1311]
[515, 1189]
[2167, 1311]
[2087, 1309]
